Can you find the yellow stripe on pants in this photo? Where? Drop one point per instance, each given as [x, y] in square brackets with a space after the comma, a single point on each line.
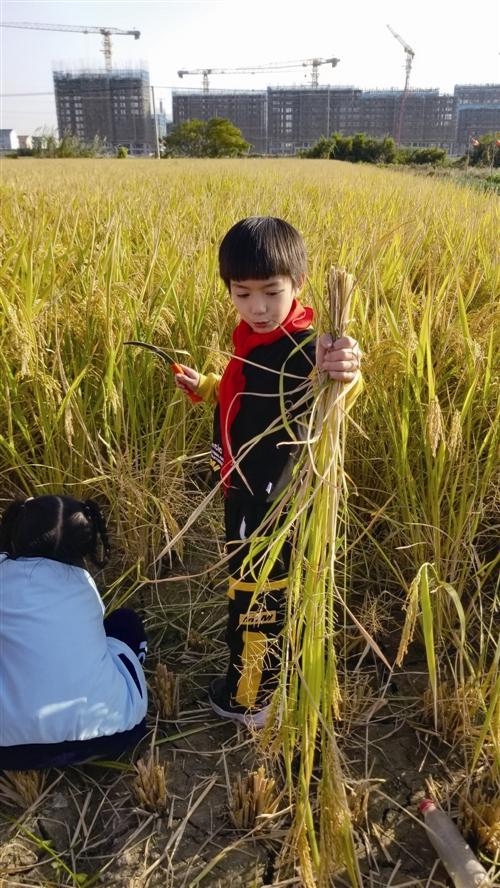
[236, 585]
[252, 660]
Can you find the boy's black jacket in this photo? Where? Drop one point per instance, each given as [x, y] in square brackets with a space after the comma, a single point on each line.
[268, 369]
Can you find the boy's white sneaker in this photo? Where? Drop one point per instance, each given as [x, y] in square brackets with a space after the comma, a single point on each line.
[221, 704]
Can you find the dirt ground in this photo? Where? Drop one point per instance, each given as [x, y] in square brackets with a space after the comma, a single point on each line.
[85, 827]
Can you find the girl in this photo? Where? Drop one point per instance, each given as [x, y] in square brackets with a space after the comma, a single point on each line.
[72, 685]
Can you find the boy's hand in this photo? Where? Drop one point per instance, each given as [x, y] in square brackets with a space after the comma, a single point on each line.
[340, 358]
[188, 380]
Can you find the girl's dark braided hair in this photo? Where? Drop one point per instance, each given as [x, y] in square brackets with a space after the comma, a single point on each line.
[57, 527]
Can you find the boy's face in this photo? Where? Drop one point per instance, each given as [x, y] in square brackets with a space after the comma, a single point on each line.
[263, 304]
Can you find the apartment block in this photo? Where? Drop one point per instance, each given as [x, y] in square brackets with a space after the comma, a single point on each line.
[114, 106]
[246, 110]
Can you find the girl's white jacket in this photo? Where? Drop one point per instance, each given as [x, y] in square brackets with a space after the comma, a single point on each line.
[61, 677]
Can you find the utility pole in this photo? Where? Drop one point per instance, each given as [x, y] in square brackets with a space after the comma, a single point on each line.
[155, 124]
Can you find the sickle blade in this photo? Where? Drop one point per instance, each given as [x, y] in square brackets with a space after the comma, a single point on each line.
[153, 348]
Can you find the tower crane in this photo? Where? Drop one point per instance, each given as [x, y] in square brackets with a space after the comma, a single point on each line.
[272, 66]
[410, 54]
[80, 29]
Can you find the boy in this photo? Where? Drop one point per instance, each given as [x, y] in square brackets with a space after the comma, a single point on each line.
[262, 261]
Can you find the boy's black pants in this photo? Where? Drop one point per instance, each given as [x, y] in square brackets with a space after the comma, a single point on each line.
[255, 622]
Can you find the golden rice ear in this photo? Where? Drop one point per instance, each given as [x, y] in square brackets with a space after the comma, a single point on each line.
[149, 786]
[435, 430]
[340, 290]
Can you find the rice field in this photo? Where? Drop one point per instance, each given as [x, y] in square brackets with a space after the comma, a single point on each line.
[98, 252]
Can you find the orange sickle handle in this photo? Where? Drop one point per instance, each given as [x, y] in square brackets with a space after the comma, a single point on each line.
[191, 395]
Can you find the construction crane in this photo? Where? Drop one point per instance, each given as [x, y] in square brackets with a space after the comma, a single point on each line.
[410, 53]
[273, 66]
[80, 29]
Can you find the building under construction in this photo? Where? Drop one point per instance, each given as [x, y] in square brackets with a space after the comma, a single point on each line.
[427, 117]
[113, 105]
[477, 112]
[284, 120]
[298, 116]
[247, 110]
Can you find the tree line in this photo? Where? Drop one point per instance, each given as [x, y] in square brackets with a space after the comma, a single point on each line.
[218, 137]
[361, 148]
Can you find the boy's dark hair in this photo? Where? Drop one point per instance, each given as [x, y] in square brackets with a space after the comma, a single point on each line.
[57, 527]
[261, 247]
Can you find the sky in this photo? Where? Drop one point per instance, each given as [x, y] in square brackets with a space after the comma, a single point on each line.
[453, 43]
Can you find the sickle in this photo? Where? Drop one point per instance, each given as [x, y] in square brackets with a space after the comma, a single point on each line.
[176, 368]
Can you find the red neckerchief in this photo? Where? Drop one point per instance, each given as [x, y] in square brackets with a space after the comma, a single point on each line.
[232, 383]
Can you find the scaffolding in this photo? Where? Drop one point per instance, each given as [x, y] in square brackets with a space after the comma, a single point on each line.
[111, 105]
[245, 109]
[285, 119]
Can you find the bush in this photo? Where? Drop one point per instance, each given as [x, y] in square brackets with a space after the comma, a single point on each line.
[363, 149]
[433, 156]
[69, 146]
[353, 148]
[341, 147]
[322, 149]
[121, 152]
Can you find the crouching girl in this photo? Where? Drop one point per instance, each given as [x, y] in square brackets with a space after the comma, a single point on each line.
[72, 685]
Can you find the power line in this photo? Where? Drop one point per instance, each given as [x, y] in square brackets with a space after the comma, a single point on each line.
[188, 89]
[12, 95]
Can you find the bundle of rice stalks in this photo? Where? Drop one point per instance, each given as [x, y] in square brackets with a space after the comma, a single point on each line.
[251, 799]
[150, 783]
[21, 789]
[308, 703]
[166, 692]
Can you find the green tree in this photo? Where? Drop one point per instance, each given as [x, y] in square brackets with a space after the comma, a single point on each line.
[185, 140]
[121, 152]
[216, 137]
[224, 139]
